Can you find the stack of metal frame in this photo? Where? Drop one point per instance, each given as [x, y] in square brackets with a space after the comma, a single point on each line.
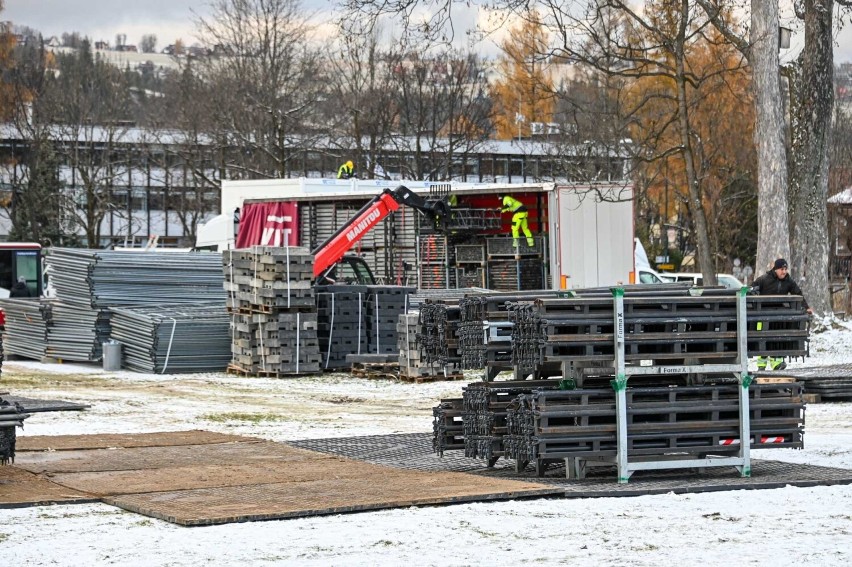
[662, 328]
[173, 338]
[438, 336]
[548, 426]
[447, 426]
[485, 406]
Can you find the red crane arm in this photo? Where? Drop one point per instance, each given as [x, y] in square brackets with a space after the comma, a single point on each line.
[347, 236]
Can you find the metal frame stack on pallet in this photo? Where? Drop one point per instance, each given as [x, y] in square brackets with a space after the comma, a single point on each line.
[741, 461]
[413, 363]
[673, 338]
[471, 266]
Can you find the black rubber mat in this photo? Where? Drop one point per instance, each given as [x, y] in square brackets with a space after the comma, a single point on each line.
[414, 451]
[32, 405]
[831, 382]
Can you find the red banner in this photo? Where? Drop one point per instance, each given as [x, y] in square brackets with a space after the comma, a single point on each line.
[268, 224]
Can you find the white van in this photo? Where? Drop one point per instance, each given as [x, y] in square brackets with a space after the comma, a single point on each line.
[649, 276]
[697, 279]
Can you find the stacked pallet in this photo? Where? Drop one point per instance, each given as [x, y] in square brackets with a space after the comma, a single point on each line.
[341, 327]
[548, 426]
[273, 311]
[411, 362]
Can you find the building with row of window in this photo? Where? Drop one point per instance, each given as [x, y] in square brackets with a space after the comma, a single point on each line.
[154, 183]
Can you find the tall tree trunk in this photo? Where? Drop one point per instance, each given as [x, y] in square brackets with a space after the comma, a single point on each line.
[813, 105]
[773, 231]
[696, 203]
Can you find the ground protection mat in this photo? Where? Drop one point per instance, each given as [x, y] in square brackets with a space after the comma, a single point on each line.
[414, 451]
[20, 488]
[126, 440]
[249, 479]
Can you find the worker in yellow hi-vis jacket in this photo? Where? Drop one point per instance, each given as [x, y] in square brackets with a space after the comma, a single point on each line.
[519, 218]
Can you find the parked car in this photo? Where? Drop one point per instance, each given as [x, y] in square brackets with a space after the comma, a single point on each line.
[649, 276]
[697, 279]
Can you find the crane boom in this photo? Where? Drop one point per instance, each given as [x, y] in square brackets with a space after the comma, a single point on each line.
[330, 252]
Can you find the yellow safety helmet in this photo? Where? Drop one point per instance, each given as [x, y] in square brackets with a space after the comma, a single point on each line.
[350, 164]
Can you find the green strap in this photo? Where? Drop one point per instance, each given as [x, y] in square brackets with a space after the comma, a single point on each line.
[620, 383]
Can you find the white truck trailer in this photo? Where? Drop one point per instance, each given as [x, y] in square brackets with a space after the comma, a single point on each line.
[585, 231]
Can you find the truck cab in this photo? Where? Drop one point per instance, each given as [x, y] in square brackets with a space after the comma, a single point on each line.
[350, 270]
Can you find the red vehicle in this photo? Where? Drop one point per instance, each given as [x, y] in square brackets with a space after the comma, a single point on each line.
[20, 260]
[333, 251]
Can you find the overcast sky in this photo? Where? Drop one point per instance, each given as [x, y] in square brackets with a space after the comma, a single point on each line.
[172, 19]
[103, 19]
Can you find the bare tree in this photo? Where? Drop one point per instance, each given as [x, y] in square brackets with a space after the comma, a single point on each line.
[87, 101]
[444, 111]
[185, 161]
[265, 84]
[33, 170]
[362, 107]
[148, 43]
[805, 187]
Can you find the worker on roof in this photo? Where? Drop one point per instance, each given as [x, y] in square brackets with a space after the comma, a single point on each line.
[519, 218]
[346, 171]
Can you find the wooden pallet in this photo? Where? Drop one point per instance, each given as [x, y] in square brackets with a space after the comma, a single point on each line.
[237, 370]
[431, 378]
[376, 370]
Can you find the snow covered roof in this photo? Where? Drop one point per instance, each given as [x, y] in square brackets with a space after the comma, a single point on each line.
[842, 198]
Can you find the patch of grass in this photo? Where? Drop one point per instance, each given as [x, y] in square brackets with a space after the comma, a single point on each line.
[244, 417]
[3, 537]
[47, 380]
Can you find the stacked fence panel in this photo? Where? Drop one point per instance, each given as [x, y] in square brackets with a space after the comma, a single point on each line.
[173, 338]
[28, 322]
[89, 282]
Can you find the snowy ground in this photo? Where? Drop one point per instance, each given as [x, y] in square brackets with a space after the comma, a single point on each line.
[789, 526]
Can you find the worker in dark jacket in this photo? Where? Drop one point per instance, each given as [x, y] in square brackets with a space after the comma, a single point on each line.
[519, 218]
[20, 289]
[776, 281]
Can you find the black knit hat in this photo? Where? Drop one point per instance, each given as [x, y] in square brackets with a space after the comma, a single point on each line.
[780, 263]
